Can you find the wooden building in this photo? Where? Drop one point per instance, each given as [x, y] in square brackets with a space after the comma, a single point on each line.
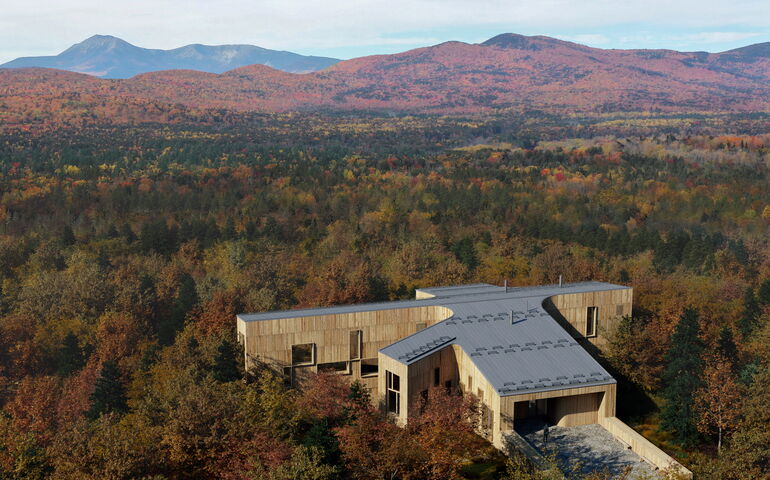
[517, 349]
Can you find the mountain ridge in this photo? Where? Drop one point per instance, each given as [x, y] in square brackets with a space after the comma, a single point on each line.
[106, 56]
[508, 71]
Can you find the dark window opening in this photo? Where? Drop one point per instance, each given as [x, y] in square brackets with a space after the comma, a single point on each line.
[303, 354]
[393, 387]
[394, 401]
[355, 344]
[335, 367]
[369, 367]
[436, 377]
[592, 318]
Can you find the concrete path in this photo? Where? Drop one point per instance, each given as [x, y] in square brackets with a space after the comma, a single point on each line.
[587, 449]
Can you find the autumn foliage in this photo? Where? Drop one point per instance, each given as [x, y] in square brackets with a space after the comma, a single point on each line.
[125, 253]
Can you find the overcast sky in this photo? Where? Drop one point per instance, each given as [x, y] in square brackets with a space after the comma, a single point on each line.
[350, 28]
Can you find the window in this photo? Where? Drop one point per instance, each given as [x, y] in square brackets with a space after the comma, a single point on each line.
[469, 387]
[619, 310]
[436, 377]
[592, 317]
[303, 354]
[356, 337]
[393, 387]
[448, 386]
[421, 326]
[369, 367]
[342, 368]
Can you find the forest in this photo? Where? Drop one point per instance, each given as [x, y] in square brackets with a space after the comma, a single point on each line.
[126, 250]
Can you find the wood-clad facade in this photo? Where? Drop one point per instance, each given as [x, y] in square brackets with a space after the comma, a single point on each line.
[573, 309]
[271, 341]
[350, 343]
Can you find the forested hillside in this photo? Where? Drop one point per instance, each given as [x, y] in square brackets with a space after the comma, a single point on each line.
[508, 71]
[126, 251]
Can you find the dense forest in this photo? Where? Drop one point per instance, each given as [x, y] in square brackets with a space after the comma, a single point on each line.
[127, 250]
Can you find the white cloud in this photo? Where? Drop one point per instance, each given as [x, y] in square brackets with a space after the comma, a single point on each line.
[590, 39]
[48, 26]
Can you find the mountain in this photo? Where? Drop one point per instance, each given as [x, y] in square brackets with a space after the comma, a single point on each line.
[110, 57]
[508, 71]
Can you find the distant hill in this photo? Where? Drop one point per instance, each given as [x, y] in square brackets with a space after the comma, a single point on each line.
[508, 71]
[110, 57]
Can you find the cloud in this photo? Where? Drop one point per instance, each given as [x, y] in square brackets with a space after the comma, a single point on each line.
[590, 39]
[48, 26]
[721, 37]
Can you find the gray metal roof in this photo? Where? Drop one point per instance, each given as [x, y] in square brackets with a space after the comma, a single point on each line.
[457, 290]
[531, 354]
[469, 295]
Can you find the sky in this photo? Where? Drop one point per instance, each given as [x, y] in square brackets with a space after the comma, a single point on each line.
[351, 28]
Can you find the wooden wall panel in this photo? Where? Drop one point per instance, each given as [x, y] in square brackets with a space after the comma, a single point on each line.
[574, 410]
[270, 341]
[613, 304]
[389, 364]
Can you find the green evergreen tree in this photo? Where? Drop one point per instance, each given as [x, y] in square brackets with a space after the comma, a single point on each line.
[226, 362]
[127, 233]
[681, 378]
[109, 394]
[465, 252]
[748, 321]
[360, 399]
[185, 300]
[726, 345]
[70, 357]
[112, 232]
[67, 236]
[228, 232]
[321, 436]
[763, 294]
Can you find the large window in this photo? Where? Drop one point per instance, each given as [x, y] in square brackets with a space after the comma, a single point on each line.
[592, 318]
[343, 368]
[393, 388]
[303, 354]
[355, 344]
[369, 367]
[436, 377]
